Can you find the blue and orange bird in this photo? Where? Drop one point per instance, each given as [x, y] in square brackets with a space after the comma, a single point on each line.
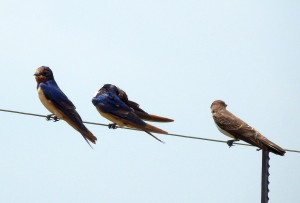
[113, 104]
[58, 103]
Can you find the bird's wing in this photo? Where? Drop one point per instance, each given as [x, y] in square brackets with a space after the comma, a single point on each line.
[123, 96]
[113, 105]
[61, 102]
[236, 127]
[227, 121]
[140, 112]
[254, 137]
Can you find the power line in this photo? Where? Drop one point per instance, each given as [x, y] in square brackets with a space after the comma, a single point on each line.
[170, 134]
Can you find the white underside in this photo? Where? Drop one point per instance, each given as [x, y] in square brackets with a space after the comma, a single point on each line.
[225, 132]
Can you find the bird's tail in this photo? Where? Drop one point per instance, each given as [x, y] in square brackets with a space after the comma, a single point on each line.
[153, 118]
[74, 120]
[151, 128]
[154, 137]
[88, 136]
[274, 148]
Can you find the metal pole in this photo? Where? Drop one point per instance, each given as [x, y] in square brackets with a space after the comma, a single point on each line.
[265, 176]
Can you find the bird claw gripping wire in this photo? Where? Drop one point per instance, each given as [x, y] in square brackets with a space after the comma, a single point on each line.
[52, 117]
[112, 126]
[230, 142]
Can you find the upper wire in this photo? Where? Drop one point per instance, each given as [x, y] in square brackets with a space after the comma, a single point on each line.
[170, 134]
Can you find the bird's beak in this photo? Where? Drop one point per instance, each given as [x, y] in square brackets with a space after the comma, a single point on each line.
[36, 74]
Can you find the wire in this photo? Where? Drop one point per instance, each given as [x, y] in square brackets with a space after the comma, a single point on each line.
[170, 134]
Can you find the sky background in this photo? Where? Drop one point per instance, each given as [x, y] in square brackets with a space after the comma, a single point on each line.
[174, 58]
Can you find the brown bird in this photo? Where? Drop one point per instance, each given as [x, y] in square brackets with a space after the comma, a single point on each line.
[113, 104]
[58, 103]
[237, 129]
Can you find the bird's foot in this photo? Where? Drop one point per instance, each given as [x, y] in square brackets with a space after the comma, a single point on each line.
[112, 126]
[52, 117]
[230, 142]
[258, 149]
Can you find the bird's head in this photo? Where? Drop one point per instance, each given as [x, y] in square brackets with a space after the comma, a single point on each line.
[43, 74]
[107, 88]
[217, 105]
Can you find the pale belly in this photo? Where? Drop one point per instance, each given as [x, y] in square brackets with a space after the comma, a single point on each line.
[224, 132]
[49, 105]
[112, 119]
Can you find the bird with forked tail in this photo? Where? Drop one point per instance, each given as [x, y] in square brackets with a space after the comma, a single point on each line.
[237, 129]
[113, 104]
[58, 103]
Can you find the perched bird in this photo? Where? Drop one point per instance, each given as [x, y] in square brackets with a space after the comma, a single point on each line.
[58, 103]
[237, 129]
[113, 104]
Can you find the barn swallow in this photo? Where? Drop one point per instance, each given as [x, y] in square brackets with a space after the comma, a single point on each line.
[232, 126]
[58, 103]
[113, 104]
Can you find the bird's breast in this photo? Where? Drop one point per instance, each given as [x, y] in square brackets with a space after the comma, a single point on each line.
[48, 104]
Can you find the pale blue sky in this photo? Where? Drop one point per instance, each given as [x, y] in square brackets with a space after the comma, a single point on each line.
[172, 57]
